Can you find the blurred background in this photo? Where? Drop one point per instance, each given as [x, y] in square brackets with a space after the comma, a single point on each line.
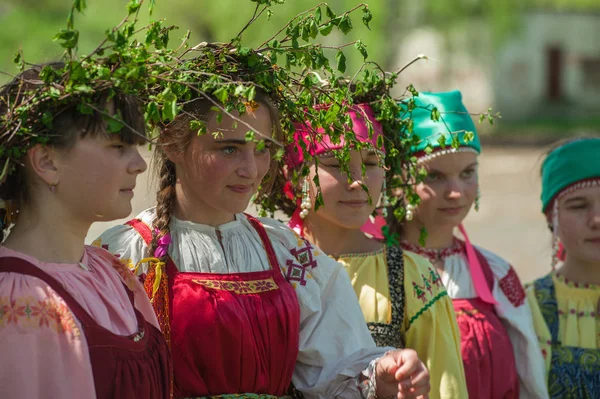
[537, 62]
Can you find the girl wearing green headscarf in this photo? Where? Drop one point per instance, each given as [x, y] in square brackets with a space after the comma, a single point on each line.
[565, 303]
[498, 343]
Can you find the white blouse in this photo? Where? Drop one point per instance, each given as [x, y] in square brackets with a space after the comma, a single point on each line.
[511, 307]
[335, 345]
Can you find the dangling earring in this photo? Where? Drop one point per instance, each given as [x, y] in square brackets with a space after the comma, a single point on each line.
[52, 187]
[477, 199]
[555, 240]
[385, 200]
[305, 205]
[409, 212]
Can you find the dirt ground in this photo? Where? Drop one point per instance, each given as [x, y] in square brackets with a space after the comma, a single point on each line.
[509, 222]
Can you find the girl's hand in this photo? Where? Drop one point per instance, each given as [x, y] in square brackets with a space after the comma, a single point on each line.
[400, 374]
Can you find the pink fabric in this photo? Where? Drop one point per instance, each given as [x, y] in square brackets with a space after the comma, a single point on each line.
[44, 352]
[319, 143]
[374, 227]
[481, 287]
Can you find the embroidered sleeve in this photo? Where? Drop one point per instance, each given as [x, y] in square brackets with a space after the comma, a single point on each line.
[512, 288]
[39, 336]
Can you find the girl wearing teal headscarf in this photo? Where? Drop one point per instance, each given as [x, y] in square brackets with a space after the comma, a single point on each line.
[498, 343]
[566, 302]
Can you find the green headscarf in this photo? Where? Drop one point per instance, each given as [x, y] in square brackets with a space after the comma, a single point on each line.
[571, 163]
[453, 124]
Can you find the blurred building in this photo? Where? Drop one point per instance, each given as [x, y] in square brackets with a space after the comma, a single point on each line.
[550, 68]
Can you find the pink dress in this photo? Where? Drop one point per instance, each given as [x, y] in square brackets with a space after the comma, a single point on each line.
[44, 349]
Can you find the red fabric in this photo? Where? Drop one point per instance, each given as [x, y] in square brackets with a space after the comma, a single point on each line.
[490, 367]
[122, 367]
[512, 288]
[229, 343]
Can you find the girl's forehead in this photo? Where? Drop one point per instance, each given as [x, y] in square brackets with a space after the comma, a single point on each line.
[451, 162]
[590, 193]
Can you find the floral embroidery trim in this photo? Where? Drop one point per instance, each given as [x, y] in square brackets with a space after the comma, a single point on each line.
[427, 306]
[240, 287]
[435, 254]
[29, 312]
[512, 288]
[469, 312]
[363, 255]
[573, 284]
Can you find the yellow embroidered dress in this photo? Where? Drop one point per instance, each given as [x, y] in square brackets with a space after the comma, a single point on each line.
[405, 304]
[566, 320]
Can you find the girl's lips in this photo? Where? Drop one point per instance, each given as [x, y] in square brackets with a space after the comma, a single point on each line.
[354, 204]
[240, 189]
[452, 211]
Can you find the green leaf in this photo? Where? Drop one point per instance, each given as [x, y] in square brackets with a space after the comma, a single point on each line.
[18, 60]
[250, 135]
[80, 5]
[199, 126]
[67, 38]
[329, 12]
[442, 141]
[47, 119]
[362, 49]
[469, 136]
[113, 125]
[251, 93]
[313, 29]
[222, 94]
[435, 114]
[318, 15]
[340, 59]
[326, 29]
[133, 6]
[85, 109]
[367, 16]
[345, 24]
[152, 115]
[260, 146]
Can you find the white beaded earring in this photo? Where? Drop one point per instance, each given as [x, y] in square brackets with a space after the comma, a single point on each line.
[306, 204]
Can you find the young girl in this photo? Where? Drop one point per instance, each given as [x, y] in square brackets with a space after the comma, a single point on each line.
[248, 305]
[565, 303]
[499, 346]
[382, 275]
[74, 322]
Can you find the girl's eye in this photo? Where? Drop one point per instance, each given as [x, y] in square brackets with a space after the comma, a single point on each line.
[119, 146]
[468, 173]
[577, 206]
[432, 176]
[229, 150]
[264, 150]
[371, 164]
[333, 165]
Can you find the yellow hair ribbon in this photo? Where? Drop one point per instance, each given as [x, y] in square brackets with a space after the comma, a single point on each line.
[158, 272]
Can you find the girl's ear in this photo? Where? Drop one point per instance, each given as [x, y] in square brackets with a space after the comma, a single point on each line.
[45, 163]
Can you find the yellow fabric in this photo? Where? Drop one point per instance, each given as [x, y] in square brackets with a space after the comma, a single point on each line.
[429, 323]
[579, 322]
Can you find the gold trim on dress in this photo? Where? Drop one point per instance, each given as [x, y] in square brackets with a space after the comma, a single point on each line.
[240, 287]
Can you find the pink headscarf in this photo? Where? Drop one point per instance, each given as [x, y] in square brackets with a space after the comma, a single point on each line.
[319, 143]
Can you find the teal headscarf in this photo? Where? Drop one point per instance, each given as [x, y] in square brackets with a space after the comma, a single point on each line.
[571, 163]
[453, 124]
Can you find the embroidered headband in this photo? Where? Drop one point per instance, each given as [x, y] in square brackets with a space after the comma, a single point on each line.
[571, 166]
